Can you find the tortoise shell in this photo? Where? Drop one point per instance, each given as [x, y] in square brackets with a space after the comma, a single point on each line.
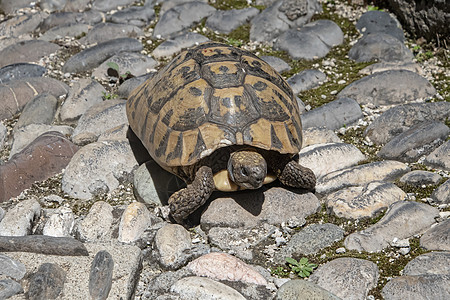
[214, 96]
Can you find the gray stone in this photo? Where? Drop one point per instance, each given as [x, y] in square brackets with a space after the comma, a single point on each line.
[101, 117]
[107, 5]
[9, 288]
[40, 110]
[20, 25]
[403, 219]
[181, 17]
[26, 52]
[108, 31]
[417, 141]
[390, 87]
[441, 195]
[277, 63]
[135, 220]
[64, 31]
[10, 6]
[363, 201]
[306, 80]
[98, 168]
[131, 84]
[19, 71]
[417, 287]
[42, 244]
[400, 118]
[83, 94]
[204, 288]
[52, 5]
[439, 158]
[359, 175]
[301, 45]
[89, 17]
[11, 268]
[319, 135]
[377, 21]
[96, 226]
[92, 57]
[18, 220]
[60, 223]
[135, 63]
[433, 263]
[303, 290]
[135, 15]
[168, 4]
[333, 115]
[397, 65]
[47, 282]
[326, 30]
[116, 133]
[100, 276]
[170, 243]
[327, 158]
[437, 237]
[419, 178]
[310, 240]
[225, 21]
[380, 47]
[347, 278]
[174, 45]
[161, 284]
[259, 207]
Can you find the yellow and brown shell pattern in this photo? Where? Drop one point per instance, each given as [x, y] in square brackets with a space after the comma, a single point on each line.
[214, 96]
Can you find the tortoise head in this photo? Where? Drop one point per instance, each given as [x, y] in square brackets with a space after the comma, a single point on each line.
[247, 169]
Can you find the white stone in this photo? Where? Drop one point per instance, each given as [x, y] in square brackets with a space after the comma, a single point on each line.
[194, 288]
[60, 223]
[97, 224]
[135, 220]
[18, 221]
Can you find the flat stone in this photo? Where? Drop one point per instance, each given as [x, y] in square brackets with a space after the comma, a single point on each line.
[301, 45]
[160, 284]
[437, 237]
[26, 135]
[83, 94]
[328, 31]
[43, 244]
[115, 133]
[376, 21]
[387, 170]
[433, 263]
[9, 288]
[333, 115]
[439, 158]
[127, 266]
[225, 21]
[402, 117]
[403, 219]
[397, 65]
[16, 93]
[134, 15]
[175, 44]
[135, 220]
[11, 268]
[249, 209]
[89, 17]
[52, 5]
[21, 24]
[107, 5]
[347, 277]
[303, 290]
[129, 85]
[417, 287]
[100, 276]
[60, 223]
[10, 6]
[223, 266]
[135, 63]
[204, 288]
[92, 57]
[98, 168]
[47, 282]
[388, 88]
[46, 156]
[310, 240]
[319, 135]
[96, 226]
[327, 158]
[306, 80]
[40, 110]
[67, 30]
[170, 243]
[415, 142]
[108, 31]
[441, 195]
[364, 201]
[419, 178]
[26, 52]
[181, 17]
[20, 71]
[18, 221]
[277, 63]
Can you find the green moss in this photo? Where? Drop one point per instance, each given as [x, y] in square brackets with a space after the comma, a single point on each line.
[229, 4]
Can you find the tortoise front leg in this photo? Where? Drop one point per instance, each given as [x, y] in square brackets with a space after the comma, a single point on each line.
[295, 175]
[185, 201]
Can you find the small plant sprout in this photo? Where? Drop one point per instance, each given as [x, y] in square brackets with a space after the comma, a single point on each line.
[301, 267]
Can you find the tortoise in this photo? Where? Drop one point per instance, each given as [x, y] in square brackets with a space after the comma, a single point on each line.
[220, 118]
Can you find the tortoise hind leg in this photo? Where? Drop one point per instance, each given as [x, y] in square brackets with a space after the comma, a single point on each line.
[185, 201]
[295, 175]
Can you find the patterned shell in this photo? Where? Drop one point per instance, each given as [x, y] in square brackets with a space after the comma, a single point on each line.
[213, 96]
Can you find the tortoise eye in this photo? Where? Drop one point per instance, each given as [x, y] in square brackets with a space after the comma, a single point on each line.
[244, 172]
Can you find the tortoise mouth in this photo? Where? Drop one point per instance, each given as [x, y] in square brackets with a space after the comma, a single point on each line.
[223, 182]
